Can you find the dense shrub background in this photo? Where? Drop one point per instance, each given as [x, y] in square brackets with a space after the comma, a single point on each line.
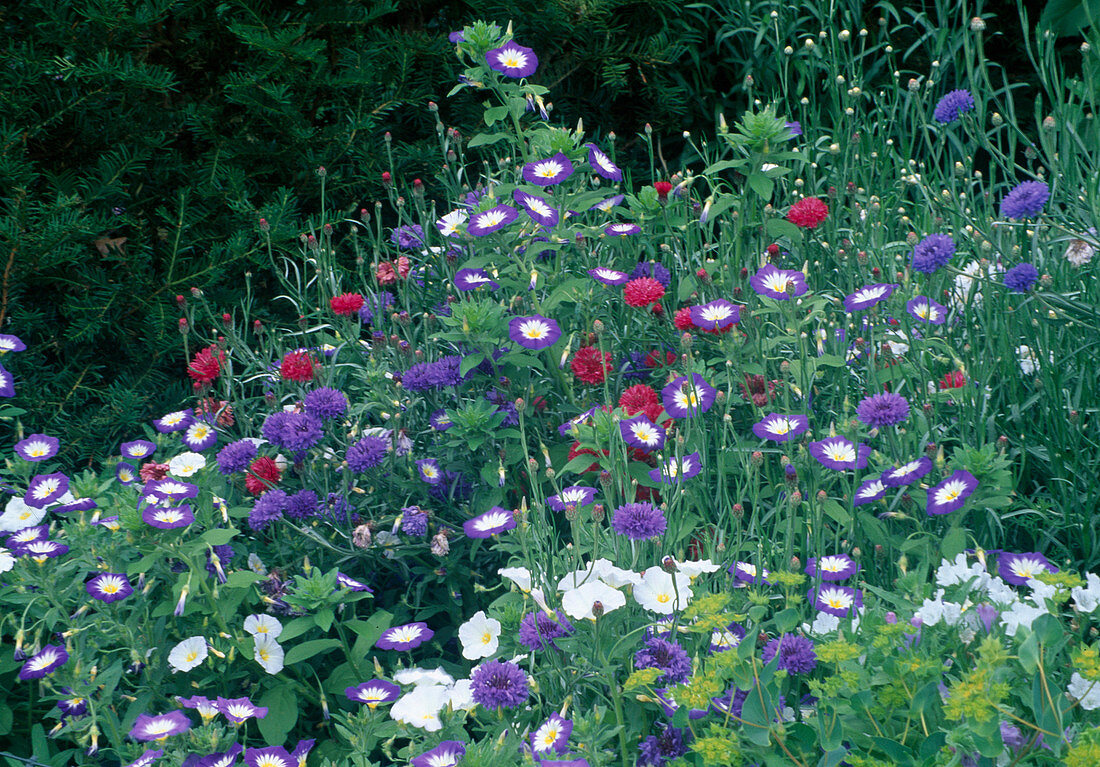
[140, 141]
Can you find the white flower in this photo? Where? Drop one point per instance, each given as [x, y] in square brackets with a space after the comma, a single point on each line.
[520, 576]
[932, 611]
[7, 561]
[188, 654]
[662, 592]
[186, 464]
[420, 707]
[898, 342]
[19, 514]
[824, 623]
[417, 676]
[578, 602]
[695, 569]
[601, 569]
[1040, 592]
[1079, 252]
[263, 624]
[999, 591]
[1084, 690]
[256, 565]
[965, 281]
[1020, 614]
[1029, 361]
[1085, 598]
[952, 573]
[461, 697]
[480, 636]
[268, 653]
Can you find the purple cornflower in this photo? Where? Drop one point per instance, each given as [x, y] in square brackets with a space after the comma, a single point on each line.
[499, 684]
[505, 406]
[932, 253]
[795, 127]
[670, 657]
[926, 310]
[840, 453]
[37, 447]
[296, 432]
[375, 306]
[45, 661]
[952, 106]
[576, 496]
[950, 494]
[495, 520]
[1018, 569]
[641, 433]
[367, 453]
[1021, 278]
[537, 630]
[716, 315]
[868, 296]
[870, 491]
[373, 693]
[781, 428]
[109, 587]
[407, 637]
[1025, 201]
[885, 409]
[325, 403]
[268, 507]
[832, 567]
[796, 653]
[512, 60]
[302, 504]
[534, 332]
[472, 279]
[159, 726]
[659, 750]
[414, 521]
[406, 237]
[491, 220]
[547, 172]
[602, 164]
[653, 270]
[907, 473]
[638, 521]
[44, 489]
[236, 456]
[455, 486]
[433, 375]
[608, 276]
[537, 208]
[177, 420]
[446, 754]
[780, 284]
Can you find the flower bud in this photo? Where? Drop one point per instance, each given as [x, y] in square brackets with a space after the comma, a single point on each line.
[668, 564]
[757, 458]
[597, 606]
[738, 511]
[361, 537]
[598, 512]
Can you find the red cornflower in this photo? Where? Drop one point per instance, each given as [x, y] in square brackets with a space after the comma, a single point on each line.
[347, 304]
[642, 292]
[590, 366]
[206, 365]
[641, 399]
[297, 366]
[151, 472]
[663, 188]
[263, 474]
[953, 380]
[385, 273]
[682, 319]
[403, 266]
[209, 407]
[653, 359]
[808, 212]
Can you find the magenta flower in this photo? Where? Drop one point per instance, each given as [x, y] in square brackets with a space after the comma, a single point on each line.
[717, 315]
[951, 494]
[160, 726]
[676, 470]
[495, 520]
[373, 693]
[407, 637]
[534, 332]
[537, 208]
[926, 310]
[907, 473]
[548, 172]
[682, 399]
[840, 453]
[780, 428]
[472, 279]
[512, 60]
[109, 587]
[602, 164]
[641, 433]
[868, 296]
[780, 284]
[37, 447]
[45, 661]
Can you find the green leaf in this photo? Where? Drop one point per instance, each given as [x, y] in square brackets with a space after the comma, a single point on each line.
[5, 719]
[833, 758]
[469, 362]
[786, 620]
[323, 618]
[306, 650]
[718, 167]
[219, 536]
[762, 185]
[296, 628]
[899, 753]
[282, 713]
[779, 227]
[953, 543]
[1069, 17]
[485, 139]
[495, 114]
[1028, 652]
[242, 578]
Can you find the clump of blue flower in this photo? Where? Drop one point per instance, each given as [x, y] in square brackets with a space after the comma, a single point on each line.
[932, 253]
[1021, 278]
[953, 106]
[1025, 201]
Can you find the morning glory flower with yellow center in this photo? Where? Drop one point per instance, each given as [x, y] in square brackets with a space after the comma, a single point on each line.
[926, 310]
[406, 637]
[446, 754]
[37, 447]
[45, 661]
[868, 296]
[10, 343]
[548, 172]
[676, 470]
[836, 600]
[238, 710]
[18, 514]
[429, 471]
[44, 489]
[139, 448]
[1018, 569]
[662, 592]
[608, 276]
[682, 398]
[200, 436]
[272, 756]
[109, 587]
[552, 735]
[537, 208]
[602, 164]
[491, 220]
[495, 520]
[840, 453]
[747, 572]
[576, 496]
[871, 490]
[175, 421]
[186, 464]
[581, 601]
[641, 433]
[268, 653]
[907, 473]
[780, 284]
[449, 225]
[834, 567]
[717, 315]
[609, 204]
[472, 279]
[373, 693]
[168, 518]
[480, 636]
[951, 494]
[622, 230]
[7, 383]
[265, 624]
[160, 726]
[534, 332]
[188, 654]
[512, 60]
[780, 428]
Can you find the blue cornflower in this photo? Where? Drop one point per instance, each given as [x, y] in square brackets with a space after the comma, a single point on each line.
[406, 237]
[267, 509]
[236, 456]
[1021, 278]
[366, 453]
[325, 403]
[670, 657]
[654, 270]
[1025, 201]
[302, 504]
[932, 253]
[952, 106]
